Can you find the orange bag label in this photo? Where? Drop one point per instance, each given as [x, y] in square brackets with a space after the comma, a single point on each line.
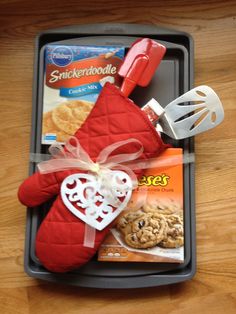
[158, 200]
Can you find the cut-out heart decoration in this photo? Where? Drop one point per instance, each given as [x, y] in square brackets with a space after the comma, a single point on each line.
[88, 198]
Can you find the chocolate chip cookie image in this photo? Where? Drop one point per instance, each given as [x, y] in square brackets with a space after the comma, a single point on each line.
[152, 225]
[66, 118]
[146, 231]
[175, 232]
[128, 218]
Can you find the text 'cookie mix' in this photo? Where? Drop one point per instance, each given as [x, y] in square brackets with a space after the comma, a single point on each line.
[151, 228]
[73, 78]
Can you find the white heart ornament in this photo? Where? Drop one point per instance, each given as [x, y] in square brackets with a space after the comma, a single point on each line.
[89, 199]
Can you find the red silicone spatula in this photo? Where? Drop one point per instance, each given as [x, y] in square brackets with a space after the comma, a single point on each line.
[140, 64]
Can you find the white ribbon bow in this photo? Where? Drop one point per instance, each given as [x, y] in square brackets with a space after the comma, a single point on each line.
[73, 156]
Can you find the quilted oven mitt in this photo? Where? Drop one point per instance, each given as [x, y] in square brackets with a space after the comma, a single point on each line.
[60, 238]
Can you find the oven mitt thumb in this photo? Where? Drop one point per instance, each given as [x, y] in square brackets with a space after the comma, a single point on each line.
[60, 243]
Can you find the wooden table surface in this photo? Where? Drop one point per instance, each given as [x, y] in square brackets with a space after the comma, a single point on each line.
[213, 27]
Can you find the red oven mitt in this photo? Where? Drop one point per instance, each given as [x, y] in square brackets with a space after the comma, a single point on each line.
[60, 238]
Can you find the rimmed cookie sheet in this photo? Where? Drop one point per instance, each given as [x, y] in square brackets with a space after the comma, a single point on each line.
[173, 78]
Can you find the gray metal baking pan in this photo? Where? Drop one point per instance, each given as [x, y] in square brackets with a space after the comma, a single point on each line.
[174, 77]
[164, 86]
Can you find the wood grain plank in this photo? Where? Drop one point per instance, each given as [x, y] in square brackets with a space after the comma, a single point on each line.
[213, 27]
[14, 301]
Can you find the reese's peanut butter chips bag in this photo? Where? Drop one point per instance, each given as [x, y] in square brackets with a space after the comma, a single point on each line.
[151, 228]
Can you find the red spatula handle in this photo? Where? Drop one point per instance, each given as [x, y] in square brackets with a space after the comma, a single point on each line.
[134, 73]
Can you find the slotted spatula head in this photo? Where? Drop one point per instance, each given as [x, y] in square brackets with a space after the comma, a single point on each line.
[182, 120]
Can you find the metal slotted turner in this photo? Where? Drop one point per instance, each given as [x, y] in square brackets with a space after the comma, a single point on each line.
[181, 120]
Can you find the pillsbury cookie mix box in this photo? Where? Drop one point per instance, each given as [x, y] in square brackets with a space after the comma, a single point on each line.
[73, 78]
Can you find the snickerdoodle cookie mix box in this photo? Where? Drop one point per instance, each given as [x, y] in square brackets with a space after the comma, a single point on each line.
[151, 228]
[73, 78]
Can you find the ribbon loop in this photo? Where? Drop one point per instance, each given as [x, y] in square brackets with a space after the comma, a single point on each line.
[73, 156]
